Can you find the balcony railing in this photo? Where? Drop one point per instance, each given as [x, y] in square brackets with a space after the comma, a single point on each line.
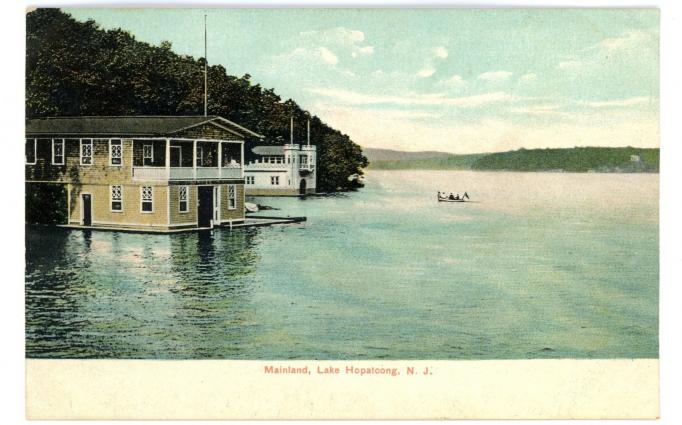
[267, 165]
[230, 171]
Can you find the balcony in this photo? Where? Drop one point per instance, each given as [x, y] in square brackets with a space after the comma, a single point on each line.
[259, 165]
[147, 173]
[306, 169]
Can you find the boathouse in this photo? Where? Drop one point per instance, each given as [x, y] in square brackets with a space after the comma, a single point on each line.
[281, 170]
[149, 173]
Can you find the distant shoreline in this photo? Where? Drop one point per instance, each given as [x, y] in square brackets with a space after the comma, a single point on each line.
[513, 171]
[624, 160]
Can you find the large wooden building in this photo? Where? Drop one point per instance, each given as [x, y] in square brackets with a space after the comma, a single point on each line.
[150, 173]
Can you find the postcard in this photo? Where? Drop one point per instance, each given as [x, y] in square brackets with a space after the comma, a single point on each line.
[342, 213]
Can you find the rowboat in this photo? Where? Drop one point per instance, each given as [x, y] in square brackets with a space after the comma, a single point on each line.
[455, 199]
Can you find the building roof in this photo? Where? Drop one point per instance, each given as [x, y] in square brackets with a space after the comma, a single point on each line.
[268, 150]
[146, 125]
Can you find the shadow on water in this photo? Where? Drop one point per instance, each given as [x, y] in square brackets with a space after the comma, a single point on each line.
[124, 295]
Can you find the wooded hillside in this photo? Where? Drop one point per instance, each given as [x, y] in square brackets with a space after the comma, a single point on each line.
[76, 68]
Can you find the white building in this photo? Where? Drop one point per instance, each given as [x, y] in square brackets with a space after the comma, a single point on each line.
[287, 170]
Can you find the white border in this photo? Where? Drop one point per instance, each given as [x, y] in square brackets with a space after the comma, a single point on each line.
[12, 27]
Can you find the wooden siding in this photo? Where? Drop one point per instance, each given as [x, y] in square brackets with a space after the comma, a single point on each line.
[130, 215]
[225, 212]
[207, 131]
[176, 216]
[72, 172]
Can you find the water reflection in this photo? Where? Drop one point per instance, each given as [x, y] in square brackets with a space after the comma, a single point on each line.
[102, 294]
[385, 272]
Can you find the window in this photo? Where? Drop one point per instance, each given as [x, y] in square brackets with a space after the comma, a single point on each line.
[86, 151]
[182, 197]
[304, 159]
[58, 151]
[31, 151]
[146, 199]
[115, 152]
[250, 180]
[116, 198]
[200, 156]
[274, 180]
[176, 156]
[147, 154]
[231, 197]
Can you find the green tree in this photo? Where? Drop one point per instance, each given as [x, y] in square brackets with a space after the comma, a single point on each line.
[74, 68]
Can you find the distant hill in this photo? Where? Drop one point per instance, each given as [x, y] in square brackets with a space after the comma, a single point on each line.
[373, 154]
[583, 159]
[573, 160]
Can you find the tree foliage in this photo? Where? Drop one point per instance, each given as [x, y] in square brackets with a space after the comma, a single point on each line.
[75, 68]
[579, 159]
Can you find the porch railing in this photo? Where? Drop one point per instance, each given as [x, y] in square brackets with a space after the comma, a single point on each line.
[146, 173]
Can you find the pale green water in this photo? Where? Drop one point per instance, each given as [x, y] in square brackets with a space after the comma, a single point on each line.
[543, 266]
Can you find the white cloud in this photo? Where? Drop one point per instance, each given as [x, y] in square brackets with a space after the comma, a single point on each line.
[426, 72]
[632, 46]
[440, 52]
[632, 101]
[531, 76]
[302, 54]
[327, 56]
[362, 51]
[429, 99]
[336, 36]
[551, 109]
[495, 76]
[628, 40]
[453, 82]
[415, 131]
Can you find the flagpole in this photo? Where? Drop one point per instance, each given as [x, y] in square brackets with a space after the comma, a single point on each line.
[205, 70]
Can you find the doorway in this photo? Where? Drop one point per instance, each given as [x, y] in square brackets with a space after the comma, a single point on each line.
[87, 209]
[205, 206]
[302, 187]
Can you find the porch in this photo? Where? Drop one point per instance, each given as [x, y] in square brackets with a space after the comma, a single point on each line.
[186, 159]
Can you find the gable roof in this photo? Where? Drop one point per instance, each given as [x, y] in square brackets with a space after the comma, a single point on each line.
[145, 125]
[268, 150]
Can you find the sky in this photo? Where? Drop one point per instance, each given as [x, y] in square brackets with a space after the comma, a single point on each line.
[451, 80]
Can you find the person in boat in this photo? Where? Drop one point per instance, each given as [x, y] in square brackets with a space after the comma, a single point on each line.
[466, 195]
[451, 197]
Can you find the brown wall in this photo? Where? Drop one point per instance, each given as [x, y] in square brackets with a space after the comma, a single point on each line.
[72, 172]
[207, 131]
[175, 215]
[131, 214]
[227, 214]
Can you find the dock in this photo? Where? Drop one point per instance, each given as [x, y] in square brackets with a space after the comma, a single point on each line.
[249, 221]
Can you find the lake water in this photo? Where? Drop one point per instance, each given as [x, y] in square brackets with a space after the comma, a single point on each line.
[541, 266]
